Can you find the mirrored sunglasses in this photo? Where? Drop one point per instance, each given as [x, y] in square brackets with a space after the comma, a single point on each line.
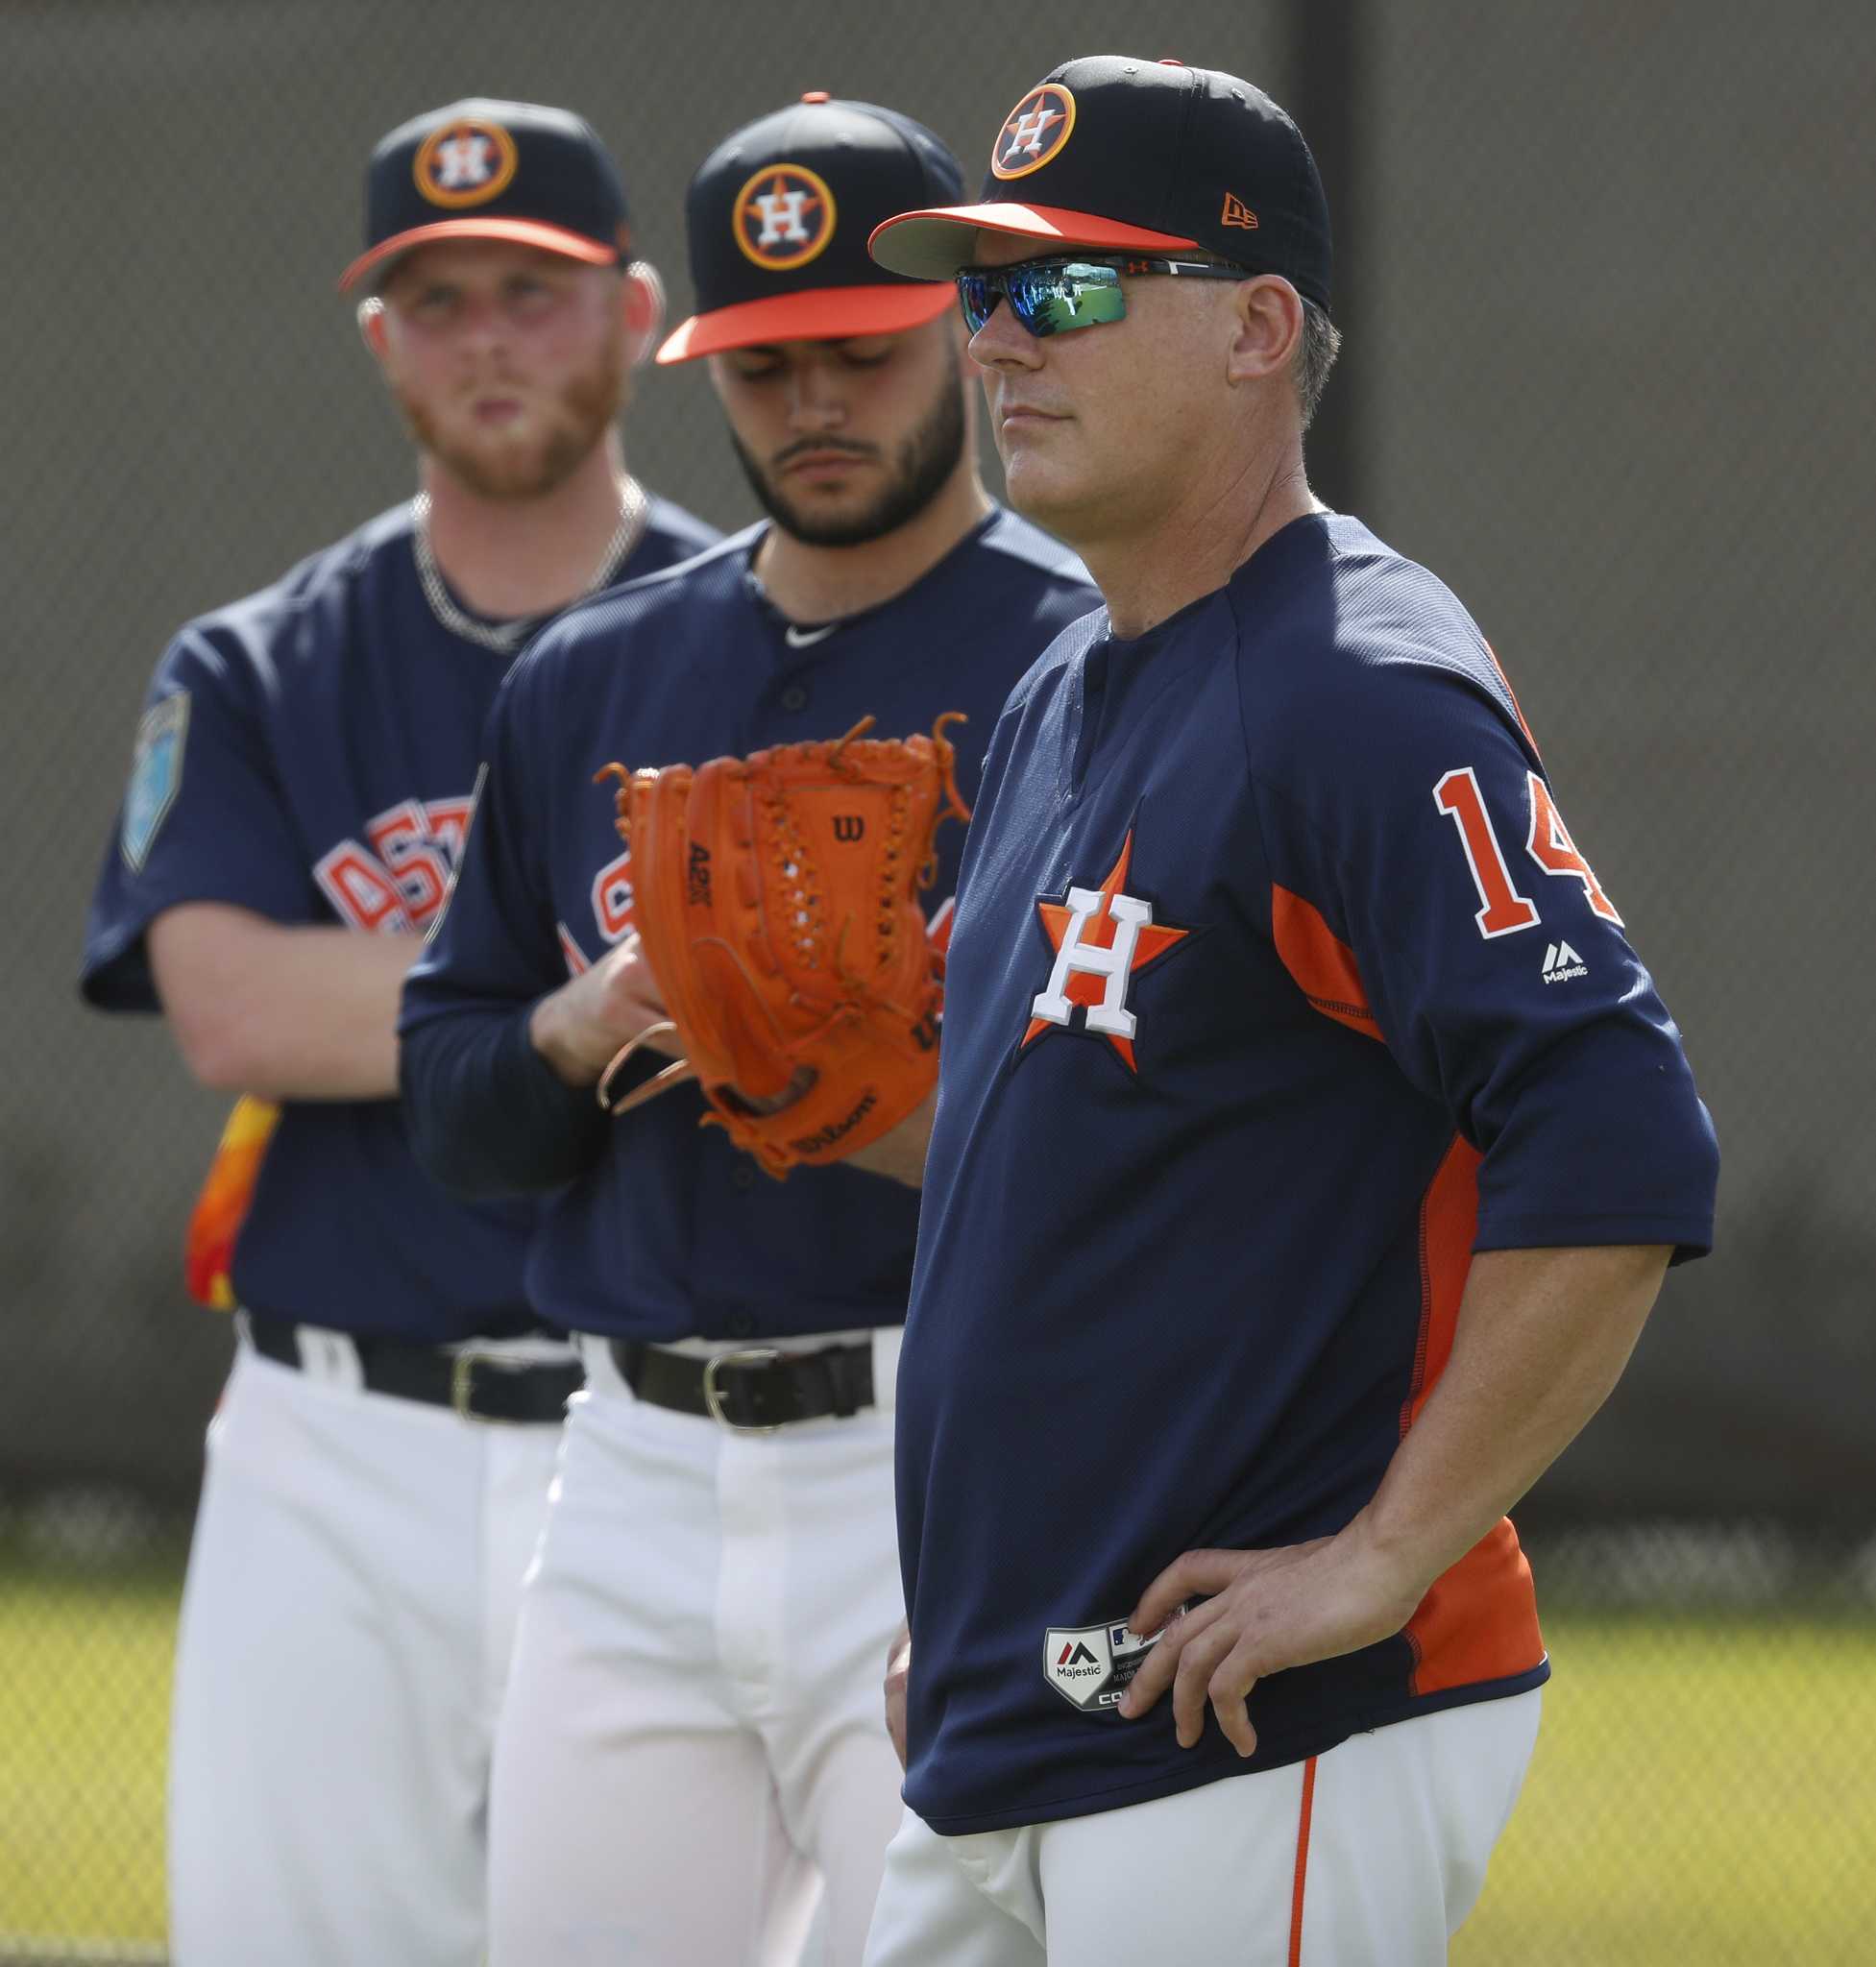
[1055, 296]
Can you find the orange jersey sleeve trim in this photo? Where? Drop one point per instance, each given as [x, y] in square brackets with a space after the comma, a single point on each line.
[1480, 1620]
[1322, 964]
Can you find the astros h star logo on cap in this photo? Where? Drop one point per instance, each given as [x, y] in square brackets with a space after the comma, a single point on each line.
[465, 162]
[1035, 131]
[783, 216]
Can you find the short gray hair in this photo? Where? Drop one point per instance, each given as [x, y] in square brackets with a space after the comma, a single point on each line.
[1316, 353]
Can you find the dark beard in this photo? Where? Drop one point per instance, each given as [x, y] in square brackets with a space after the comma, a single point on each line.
[922, 469]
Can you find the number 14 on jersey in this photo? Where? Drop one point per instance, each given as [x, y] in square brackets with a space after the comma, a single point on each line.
[1502, 910]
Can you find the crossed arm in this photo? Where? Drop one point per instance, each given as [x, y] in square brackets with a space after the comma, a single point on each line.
[284, 1012]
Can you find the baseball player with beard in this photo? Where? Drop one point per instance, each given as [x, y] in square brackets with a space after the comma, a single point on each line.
[692, 1724]
[1310, 1140]
[300, 787]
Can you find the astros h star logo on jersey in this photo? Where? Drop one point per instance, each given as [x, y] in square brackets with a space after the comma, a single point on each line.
[783, 216]
[465, 162]
[1101, 938]
[1033, 131]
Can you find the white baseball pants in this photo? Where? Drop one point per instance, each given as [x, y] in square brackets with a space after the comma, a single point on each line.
[1369, 1856]
[345, 1635]
[693, 1737]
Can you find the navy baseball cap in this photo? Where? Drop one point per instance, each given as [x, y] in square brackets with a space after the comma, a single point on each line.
[483, 169]
[1114, 153]
[778, 219]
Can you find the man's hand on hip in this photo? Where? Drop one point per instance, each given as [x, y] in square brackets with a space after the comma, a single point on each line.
[1263, 1611]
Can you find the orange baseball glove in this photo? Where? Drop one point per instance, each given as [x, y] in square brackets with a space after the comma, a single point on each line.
[778, 903]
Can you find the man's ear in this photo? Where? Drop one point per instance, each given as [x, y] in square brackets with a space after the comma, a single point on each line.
[644, 302]
[371, 326]
[1267, 315]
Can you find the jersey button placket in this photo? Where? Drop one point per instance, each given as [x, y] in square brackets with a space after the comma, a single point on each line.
[794, 697]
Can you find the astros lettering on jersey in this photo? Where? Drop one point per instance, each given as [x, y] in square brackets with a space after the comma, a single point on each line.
[287, 765]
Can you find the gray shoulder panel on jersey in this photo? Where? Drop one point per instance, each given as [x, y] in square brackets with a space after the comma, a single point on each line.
[1407, 622]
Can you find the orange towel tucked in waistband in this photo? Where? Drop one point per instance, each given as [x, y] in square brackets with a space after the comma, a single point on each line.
[222, 1207]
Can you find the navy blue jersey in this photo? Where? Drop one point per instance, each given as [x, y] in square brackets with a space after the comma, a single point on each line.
[309, 753]
[1276, 989]
[667, 1230]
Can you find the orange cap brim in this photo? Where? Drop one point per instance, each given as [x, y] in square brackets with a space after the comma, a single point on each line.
[931, 244]
[815, 314]
[520, 231]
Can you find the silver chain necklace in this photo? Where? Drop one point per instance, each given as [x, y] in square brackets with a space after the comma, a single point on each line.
[504, 638]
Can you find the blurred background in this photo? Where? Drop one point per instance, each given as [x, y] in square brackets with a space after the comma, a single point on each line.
[1607, 372]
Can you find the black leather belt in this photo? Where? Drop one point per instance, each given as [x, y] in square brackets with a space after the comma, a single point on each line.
[480, 1386]
[755, 1387]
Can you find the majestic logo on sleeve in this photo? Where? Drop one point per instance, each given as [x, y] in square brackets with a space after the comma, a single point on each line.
[155, 776]
[465, 162]
[783, 216]
[1562, 963]
[1103, 938]
[1034, 132]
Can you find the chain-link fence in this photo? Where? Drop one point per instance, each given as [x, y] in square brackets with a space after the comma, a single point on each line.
[1605, 374]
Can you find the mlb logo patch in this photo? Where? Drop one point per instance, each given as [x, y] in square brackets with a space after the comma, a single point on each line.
[784, 217]
[155, 775]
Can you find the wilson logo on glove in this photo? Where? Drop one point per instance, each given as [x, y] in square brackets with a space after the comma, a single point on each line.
[778, 903]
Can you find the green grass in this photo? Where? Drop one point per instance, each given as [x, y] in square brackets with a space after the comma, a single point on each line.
[1704, 1791]
[83, 1709]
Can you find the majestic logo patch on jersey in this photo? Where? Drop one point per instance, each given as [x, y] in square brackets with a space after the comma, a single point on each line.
[155, 776]
[465, 162]
[398, 877]
[1033, 131]
[1101, 939]
[1561, 962]
[1090, 1665]
[783, 216]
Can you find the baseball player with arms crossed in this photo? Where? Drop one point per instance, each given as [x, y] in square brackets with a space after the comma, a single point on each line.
[378, 1465]
[1311, 1142]
[694, 1715]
